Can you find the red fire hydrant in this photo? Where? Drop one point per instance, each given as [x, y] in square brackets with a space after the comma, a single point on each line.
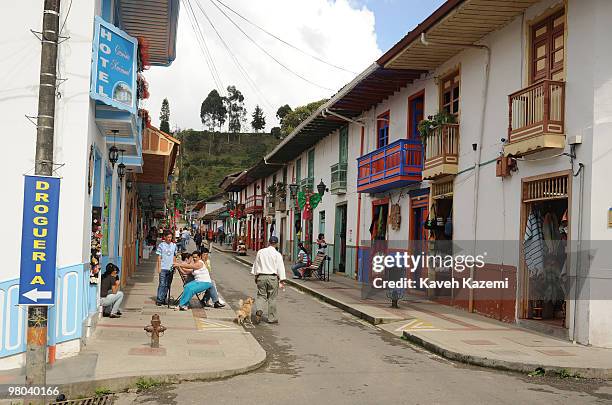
[155, 330]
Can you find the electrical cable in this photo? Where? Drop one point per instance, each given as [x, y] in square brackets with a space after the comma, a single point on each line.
[266, 52]
[66, 18]
[204, 48]
[283, 41]
[241, 69]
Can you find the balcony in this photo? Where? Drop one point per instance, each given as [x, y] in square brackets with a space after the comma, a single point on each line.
[536, 118]
[338, 178]
[441, 152]
[254, 204]
[307, 184]
[396, 165]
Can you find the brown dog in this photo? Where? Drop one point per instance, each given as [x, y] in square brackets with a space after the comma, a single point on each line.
[244, 312]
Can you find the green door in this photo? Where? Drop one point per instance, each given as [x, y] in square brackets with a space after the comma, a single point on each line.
[340, 239]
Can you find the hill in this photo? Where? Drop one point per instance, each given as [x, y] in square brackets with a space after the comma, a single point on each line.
[205, 158]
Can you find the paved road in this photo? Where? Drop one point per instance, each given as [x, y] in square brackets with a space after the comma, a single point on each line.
[320, 355]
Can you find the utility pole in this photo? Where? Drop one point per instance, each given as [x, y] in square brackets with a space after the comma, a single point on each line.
[36, 351]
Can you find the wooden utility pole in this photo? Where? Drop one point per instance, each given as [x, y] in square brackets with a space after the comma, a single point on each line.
[37, 314]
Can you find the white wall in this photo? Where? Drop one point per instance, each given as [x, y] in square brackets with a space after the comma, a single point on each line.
[73, 124]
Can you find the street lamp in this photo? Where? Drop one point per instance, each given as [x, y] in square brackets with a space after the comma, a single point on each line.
[322, 188]
[113, 153]
[293, 190]
[121, 171]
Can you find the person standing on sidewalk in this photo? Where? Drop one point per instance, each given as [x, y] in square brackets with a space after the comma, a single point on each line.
[166, 251]
[269, 271]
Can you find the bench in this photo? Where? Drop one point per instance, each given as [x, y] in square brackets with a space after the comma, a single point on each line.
[317, 268]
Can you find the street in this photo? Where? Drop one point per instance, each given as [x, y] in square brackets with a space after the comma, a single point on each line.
[319, 354]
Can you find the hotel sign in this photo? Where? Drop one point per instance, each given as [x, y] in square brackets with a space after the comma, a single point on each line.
[114, 65]
[39, 240]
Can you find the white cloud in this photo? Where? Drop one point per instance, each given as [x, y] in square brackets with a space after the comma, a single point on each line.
[336, 31]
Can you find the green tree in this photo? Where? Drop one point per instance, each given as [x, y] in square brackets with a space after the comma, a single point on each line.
[282, 112]
[295, 117]
[213, 112]
[259, 120]
[164, 117]
[276, 132]
[235, 110]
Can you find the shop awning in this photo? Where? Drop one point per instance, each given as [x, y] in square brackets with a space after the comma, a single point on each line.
[154, 20]
[371, 87]
[445, 32]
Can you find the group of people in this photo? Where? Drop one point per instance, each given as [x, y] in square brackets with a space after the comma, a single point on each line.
[268, 270]
[196, 266]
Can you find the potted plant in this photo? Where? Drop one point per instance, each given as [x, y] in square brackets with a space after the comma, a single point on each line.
[427, 126]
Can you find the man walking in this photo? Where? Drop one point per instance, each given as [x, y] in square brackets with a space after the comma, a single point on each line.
[166, 251]
[269, 272]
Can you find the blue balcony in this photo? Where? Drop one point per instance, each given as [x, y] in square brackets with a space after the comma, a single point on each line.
[398, 164]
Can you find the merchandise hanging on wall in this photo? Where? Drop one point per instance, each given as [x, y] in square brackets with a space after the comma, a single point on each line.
[96, 245]
[395, 217]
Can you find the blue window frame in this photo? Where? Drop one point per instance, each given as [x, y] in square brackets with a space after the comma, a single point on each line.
[382, 125]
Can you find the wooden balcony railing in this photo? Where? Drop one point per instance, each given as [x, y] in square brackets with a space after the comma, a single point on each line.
[338, 178]
[254, 204]
[441, 151]
[535, 111]
[395, 165]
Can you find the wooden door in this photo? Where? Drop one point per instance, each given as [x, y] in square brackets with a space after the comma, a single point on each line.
[548, 48]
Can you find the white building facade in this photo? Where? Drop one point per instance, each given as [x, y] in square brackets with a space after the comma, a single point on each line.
[90, 185]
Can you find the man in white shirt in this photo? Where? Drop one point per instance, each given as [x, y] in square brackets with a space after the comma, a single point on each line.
[269, 272]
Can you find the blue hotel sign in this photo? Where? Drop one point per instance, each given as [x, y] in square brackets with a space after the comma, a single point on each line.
[114, 65]
[39, 240]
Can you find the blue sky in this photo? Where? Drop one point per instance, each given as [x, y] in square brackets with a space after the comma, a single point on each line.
[395, 18]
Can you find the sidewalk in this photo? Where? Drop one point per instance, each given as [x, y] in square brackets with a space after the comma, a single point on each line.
[460, 335]
[197, 345]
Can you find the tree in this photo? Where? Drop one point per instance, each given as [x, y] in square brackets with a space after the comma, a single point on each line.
[295, 117]
[276, 132]
[235, 109]
[282, 112]
[213, 112]
[259, 120]
[164, 117]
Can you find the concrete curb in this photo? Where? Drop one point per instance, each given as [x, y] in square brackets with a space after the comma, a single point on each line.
[119, 384]
[598, 373]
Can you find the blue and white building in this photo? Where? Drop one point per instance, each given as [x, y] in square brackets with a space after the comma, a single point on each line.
[95, 109]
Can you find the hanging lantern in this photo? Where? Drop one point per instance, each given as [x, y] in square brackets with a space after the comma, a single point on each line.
[121, 171]
[113, 155]
[322, 188]
[293, 190]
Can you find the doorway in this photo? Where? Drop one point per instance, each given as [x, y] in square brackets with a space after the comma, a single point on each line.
[282, 235]
[418, 215]
[545, 231]
[340, 239]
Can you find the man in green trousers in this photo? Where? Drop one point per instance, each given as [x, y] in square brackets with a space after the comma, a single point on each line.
[269, 272]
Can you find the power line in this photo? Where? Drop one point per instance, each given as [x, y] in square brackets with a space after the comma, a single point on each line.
[204, 48]
[268, 53]
[283, 41]
[241, 69]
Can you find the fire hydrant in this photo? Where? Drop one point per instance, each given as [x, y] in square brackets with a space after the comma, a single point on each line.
[155, 330]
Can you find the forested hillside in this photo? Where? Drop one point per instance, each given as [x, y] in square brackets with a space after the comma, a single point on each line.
[206, 157]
